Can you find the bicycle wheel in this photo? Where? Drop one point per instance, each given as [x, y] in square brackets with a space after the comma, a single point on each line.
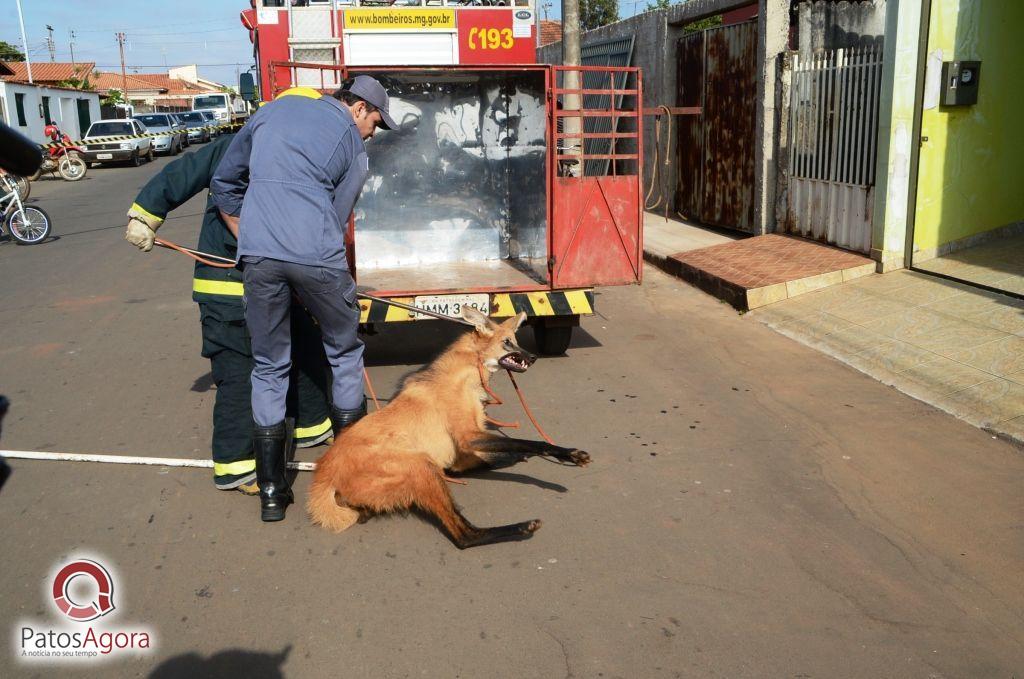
[29, 225]
[24, 187]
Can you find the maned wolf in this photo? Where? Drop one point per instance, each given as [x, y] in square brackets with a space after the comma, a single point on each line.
[395, 458]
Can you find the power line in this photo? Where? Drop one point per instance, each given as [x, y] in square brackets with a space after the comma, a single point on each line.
[133, 43]
[133, 66]
[142, 30]
[212, 30]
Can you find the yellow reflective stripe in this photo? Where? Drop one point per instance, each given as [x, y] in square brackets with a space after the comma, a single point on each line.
[396, 314]
[315, 430]
[364, 310]
[207, 287]
[501, 305]
[539, 302]
[139, 208]
[578, 302]
[234, 468]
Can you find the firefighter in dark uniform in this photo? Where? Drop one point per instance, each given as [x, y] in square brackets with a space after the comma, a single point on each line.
[225, 337]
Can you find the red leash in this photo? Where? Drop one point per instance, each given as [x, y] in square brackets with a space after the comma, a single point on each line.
[496, 400]
[201, 257]
[526, 409]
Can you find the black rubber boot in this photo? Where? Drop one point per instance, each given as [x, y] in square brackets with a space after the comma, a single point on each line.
[340, 419]
[269, 449]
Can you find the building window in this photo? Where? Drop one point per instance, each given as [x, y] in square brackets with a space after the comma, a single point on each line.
[19, 104]
[46, 111]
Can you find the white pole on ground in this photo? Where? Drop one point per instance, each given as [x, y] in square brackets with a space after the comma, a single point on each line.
[127, 459]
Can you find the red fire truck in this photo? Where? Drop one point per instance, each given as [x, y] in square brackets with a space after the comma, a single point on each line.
[482, 197]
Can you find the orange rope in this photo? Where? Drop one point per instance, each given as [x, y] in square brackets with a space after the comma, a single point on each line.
[526, 408]
[499, 423]
[495, 399]
[369, 387]
[203, 260]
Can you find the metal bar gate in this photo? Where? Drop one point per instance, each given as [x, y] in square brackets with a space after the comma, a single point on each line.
[833, 131]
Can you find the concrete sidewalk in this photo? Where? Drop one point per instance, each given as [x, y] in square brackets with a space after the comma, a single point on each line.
[958, 348]
[955, 347]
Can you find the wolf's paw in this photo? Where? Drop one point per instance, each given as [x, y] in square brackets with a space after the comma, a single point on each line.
[579, 458]
[529, 527]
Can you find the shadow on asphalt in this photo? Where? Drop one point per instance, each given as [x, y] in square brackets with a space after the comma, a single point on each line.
[492, 475]
[203, 383]
[7, 240]
[230, 663]
[419, 343]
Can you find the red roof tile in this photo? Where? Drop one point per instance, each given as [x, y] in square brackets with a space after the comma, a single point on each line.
[172, 85]
[49, 72]
[113, 81]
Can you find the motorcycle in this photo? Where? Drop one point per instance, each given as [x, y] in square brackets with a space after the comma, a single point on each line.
[65, 159]
[27, 225]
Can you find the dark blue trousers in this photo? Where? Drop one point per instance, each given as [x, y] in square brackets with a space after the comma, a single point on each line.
[330, 296]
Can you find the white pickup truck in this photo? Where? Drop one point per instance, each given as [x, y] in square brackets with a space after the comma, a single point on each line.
[227, 107]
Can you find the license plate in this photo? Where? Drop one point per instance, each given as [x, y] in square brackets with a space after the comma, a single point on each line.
[104, 156]
[451, 305]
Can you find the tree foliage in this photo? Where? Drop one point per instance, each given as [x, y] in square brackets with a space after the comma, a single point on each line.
[114, 97]
[709, 22]
[76, 83]
[9, 52]
[659, 4]
[597, 13]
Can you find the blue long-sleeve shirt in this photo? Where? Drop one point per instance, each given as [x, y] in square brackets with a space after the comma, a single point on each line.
[293, 174]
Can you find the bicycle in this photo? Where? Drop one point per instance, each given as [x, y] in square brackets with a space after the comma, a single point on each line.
[23, 184]
[27, 225]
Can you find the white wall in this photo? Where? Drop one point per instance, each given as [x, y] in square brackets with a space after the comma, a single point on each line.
[63, 109]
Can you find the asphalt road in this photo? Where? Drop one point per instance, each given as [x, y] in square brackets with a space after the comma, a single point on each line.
[754, 508]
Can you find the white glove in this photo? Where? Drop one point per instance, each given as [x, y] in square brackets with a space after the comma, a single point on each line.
[140, 235]
[142, 228]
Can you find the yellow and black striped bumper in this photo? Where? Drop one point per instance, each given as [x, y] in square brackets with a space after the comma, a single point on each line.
[503, 304]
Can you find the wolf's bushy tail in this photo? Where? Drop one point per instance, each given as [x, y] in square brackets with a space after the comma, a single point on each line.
[324, 509]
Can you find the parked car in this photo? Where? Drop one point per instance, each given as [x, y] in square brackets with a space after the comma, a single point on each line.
[196, 124]
[99, 149]
[211, 119]
[170, 143]
[181, 122]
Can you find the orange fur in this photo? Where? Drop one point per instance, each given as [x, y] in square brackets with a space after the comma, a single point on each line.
[394, 459]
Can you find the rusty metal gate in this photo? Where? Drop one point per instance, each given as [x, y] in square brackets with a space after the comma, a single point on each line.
[833, 132]
[717, 70]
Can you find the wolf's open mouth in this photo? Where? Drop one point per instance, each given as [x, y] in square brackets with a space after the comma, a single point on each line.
[516, 362]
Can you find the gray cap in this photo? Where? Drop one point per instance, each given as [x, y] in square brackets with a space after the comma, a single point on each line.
[372, 92]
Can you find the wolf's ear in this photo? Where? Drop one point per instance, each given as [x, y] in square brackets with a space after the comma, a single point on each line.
[479, 321]
[517, 321]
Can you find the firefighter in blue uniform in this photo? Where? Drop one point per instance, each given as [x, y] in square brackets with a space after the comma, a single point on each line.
[225, 337]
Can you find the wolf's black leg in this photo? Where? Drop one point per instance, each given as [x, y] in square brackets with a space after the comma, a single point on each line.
[476, 537]
[501, 448]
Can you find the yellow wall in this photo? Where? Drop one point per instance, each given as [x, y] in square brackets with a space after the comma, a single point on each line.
[971, 175]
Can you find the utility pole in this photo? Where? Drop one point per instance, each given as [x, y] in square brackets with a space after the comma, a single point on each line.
[24, 43]
[124, 75]
[572, 81]
[50, 44]
[71, 44]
